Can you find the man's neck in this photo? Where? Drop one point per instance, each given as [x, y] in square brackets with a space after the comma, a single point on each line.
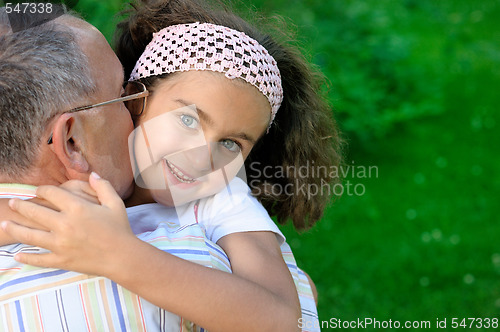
[43, 173]
[31, 179]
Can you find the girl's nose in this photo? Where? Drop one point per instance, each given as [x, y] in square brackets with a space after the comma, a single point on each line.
[208, 158]
[199, 159]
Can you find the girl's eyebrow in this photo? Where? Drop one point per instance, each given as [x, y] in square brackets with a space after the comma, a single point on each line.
[245, 137]
[208, 120]
[203, 116]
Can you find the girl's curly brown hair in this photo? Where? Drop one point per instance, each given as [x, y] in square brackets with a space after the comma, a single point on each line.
[303, 134]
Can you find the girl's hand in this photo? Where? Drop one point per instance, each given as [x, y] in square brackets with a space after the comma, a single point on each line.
[82, 236]
[77, 187]
[81, 189]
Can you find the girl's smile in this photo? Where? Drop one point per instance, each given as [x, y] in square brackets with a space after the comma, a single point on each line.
[177, 173]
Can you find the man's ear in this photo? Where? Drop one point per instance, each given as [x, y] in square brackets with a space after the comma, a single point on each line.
[68, 144]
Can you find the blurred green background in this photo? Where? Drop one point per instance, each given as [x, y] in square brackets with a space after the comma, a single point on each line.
[412, 84]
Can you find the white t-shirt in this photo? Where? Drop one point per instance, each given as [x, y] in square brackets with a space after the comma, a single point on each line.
[233, 210]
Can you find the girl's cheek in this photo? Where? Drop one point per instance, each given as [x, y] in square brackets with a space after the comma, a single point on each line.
[162, 197]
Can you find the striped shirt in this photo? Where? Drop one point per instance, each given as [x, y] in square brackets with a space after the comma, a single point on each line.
[43, 299]
[309, 322]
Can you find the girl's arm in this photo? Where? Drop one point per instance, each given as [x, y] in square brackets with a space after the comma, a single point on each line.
[256, 256]
[96, 239]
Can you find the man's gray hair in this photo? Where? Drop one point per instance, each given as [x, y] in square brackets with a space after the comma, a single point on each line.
[42, 72]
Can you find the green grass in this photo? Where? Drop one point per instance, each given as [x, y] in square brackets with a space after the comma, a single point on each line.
[415, 87]
[421, 243]
[102, 14]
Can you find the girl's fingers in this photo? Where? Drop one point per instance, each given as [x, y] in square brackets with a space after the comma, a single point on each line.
[77, 185]
[61, 198]
[105, 192]
[28, 235]
[41, 260]
[81, 189]
[39, 214]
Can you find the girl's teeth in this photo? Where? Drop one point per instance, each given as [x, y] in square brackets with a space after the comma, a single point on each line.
[178, 174]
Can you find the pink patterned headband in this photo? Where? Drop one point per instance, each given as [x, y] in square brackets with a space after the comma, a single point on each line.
[205, 46]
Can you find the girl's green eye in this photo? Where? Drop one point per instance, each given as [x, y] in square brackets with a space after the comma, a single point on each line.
[230, 145]
[189, 121]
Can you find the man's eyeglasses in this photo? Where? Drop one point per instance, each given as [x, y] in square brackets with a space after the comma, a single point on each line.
[134, 99]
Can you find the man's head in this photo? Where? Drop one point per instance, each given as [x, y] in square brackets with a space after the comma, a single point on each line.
[44, 72]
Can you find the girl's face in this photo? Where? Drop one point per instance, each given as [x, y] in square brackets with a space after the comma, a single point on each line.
[194, 135]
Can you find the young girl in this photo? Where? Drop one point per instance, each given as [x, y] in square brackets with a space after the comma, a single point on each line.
[212, 78]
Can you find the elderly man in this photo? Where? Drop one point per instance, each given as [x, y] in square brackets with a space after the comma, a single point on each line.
[62, 117]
